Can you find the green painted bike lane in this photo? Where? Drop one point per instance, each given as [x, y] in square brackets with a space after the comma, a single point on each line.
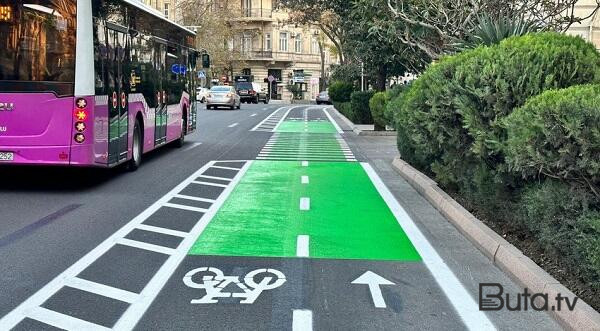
[347, 218]
[306, 126]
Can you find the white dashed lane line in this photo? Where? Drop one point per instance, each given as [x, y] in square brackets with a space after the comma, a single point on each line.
[233, 125]
[302, 244]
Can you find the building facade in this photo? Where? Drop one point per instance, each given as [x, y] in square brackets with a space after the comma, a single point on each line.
[167, 7]
[589, 29]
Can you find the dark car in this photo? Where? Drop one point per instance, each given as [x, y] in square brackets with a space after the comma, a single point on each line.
[323, 98]
[247, 92]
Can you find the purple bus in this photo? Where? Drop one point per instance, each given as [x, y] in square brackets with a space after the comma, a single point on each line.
[92, 82]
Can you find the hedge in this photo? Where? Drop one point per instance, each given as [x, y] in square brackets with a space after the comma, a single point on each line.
[359, 102]
[377, 104]
[451, 124]
[557, 134]
[340, 91]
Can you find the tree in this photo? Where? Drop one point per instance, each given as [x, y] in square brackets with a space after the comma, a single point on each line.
[435, 26]
[215, 33]
[327, 15]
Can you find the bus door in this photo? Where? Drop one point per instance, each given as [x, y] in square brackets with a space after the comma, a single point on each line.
[118, 95]
[160, 112]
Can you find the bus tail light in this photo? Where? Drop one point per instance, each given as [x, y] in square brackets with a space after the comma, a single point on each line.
[80, 126]
[81, 114]
[79, 138]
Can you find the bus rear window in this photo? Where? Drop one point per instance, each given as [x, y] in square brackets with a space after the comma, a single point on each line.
[37, 41]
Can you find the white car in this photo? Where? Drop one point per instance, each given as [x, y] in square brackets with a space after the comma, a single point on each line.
[201, 94]
[223, 96]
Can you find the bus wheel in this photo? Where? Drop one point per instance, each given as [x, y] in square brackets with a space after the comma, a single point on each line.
[137, 149]
[179, 143]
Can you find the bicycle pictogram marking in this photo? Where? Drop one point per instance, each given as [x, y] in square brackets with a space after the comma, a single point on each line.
[214, 283]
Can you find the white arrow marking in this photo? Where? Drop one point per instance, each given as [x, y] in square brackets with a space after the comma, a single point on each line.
[374, 281]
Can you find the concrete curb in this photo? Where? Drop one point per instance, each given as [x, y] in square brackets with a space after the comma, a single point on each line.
[358, 131]
[503, 254]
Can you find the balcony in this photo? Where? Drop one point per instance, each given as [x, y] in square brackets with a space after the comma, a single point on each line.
[255, 15]
[289, 57]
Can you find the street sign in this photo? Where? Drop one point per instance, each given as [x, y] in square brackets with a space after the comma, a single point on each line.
[271, 79]
[214, 282]
[374, 281]
[201, 74]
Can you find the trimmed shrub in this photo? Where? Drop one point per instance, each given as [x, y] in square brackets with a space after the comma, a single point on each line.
[556, 134]
[396, 97]
[587, 245]
[359, 102]
[453, 117]
[345, 109]
[340, 91]
[377, 105]
[562, 219]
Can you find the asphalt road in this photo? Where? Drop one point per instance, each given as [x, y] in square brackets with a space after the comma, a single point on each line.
[273, 217]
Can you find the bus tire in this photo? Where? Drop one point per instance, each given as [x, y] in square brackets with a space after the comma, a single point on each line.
[179, 142]
[137, 147]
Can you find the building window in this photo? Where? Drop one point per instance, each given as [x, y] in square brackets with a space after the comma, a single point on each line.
[247, 8]
[166, 10]
[283, 41]
[246, 43]
[298, 47]
[314, 46]
[268, 41]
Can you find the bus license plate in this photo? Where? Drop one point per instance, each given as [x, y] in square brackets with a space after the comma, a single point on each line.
[6, 156]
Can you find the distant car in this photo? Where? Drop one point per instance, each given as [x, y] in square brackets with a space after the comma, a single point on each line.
[247, 91]
[223, 96]
[323, 98]
[201, 93]
[263, 94]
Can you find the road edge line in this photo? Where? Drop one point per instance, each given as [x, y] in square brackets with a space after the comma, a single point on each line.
[498, 250]
[456, 293]
[283, 118]
[335, 125]
[266, 118]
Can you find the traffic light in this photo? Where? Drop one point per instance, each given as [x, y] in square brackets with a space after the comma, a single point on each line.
[205, 61]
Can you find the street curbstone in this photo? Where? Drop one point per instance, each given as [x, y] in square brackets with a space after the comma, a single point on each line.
[503, 254]
[584, 316]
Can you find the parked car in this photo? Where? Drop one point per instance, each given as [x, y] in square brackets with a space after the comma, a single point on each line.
[201, 93]
[223, 96]
[323, 98]
[247, 91]
[263, 95]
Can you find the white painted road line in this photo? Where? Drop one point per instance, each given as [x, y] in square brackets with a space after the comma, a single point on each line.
[233, 125]
[304, 203]
[101, 289]
[302, 246]
[184, 207]
[302, 320]
[282, 119]
[253, 115]
[305, 163]
[209, 184]
[62, 321]
[226, 168]
[304, 180]
[337, 127]
[146, 246]
[266, 119]
[32, 306]
[192, 146]
[187, 197]
[457, 295]
[215, 177]
[157, 229]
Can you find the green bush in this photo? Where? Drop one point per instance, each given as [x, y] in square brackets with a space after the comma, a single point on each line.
[587, 245]
[556, 134]
[452, 121]
[340, 91]
[359, 102]
[562, 219]
[345, 109]
[377, 105]
[396, 96]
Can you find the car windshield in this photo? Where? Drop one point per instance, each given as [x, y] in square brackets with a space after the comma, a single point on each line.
[244, 86]
[221, 89]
